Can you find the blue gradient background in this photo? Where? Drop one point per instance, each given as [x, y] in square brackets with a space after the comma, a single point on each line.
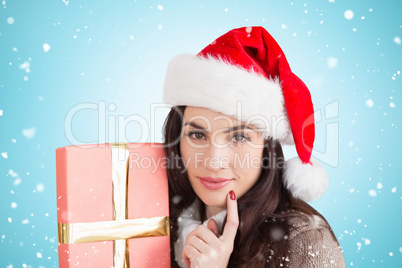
[112, 56]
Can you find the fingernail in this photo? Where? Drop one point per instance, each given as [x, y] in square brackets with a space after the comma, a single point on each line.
[232, 195]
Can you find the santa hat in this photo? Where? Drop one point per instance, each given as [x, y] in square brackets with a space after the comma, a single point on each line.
[245, 74]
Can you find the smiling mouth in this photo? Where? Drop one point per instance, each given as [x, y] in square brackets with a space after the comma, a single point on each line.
[214, 183]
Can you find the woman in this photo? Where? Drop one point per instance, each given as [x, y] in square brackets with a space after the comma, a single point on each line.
[235, 202]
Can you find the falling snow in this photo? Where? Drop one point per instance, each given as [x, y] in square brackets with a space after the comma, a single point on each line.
[332, 62]
[40, 187]
[349, 14]
[12, 173]
[25, 66]
[10, 20]
[368, 89]
[369, 103]
[176, 199]
[29, 133]
[46, 47]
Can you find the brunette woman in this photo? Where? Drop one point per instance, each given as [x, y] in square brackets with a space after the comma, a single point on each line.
[234, 200]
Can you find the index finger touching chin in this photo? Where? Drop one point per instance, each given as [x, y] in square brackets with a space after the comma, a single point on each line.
[232, 222]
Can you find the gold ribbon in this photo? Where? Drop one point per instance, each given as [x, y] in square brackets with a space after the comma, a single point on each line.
[120, 228]
[82, 232]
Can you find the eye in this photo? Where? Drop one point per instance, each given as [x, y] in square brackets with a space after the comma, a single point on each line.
[196, 135]
[240, 137]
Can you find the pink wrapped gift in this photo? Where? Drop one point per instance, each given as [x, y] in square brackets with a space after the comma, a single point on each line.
[113, 206]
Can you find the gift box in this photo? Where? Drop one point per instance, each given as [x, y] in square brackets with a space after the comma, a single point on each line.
[112, 206]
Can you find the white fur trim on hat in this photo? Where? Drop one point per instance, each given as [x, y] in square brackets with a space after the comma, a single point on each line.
[229, 89]
[305, 181]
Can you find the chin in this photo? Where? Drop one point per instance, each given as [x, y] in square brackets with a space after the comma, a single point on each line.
[217, 199]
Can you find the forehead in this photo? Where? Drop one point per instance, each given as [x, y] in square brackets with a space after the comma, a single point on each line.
[207, 117]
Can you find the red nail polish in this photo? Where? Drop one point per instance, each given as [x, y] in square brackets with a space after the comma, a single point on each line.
[232, 195]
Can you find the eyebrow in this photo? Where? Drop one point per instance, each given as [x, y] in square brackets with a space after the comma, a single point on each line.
[195, 125]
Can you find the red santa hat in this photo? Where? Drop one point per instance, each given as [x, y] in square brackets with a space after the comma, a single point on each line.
[245, 74]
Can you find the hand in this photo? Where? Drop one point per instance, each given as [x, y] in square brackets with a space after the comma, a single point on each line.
[204, 247]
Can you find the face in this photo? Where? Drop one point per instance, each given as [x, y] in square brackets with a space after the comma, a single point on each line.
[220, 153]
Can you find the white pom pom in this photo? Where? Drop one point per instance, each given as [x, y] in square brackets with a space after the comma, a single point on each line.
[305, 181]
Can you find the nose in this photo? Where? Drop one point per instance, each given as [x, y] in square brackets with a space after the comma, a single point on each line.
[217, 157]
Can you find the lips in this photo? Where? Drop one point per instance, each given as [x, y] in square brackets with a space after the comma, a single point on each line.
[214, 183]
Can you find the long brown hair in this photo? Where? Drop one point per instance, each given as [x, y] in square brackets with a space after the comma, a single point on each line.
[261, 239]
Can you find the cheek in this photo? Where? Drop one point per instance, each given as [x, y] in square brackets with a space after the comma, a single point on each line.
[248, 160]
[250, 166]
